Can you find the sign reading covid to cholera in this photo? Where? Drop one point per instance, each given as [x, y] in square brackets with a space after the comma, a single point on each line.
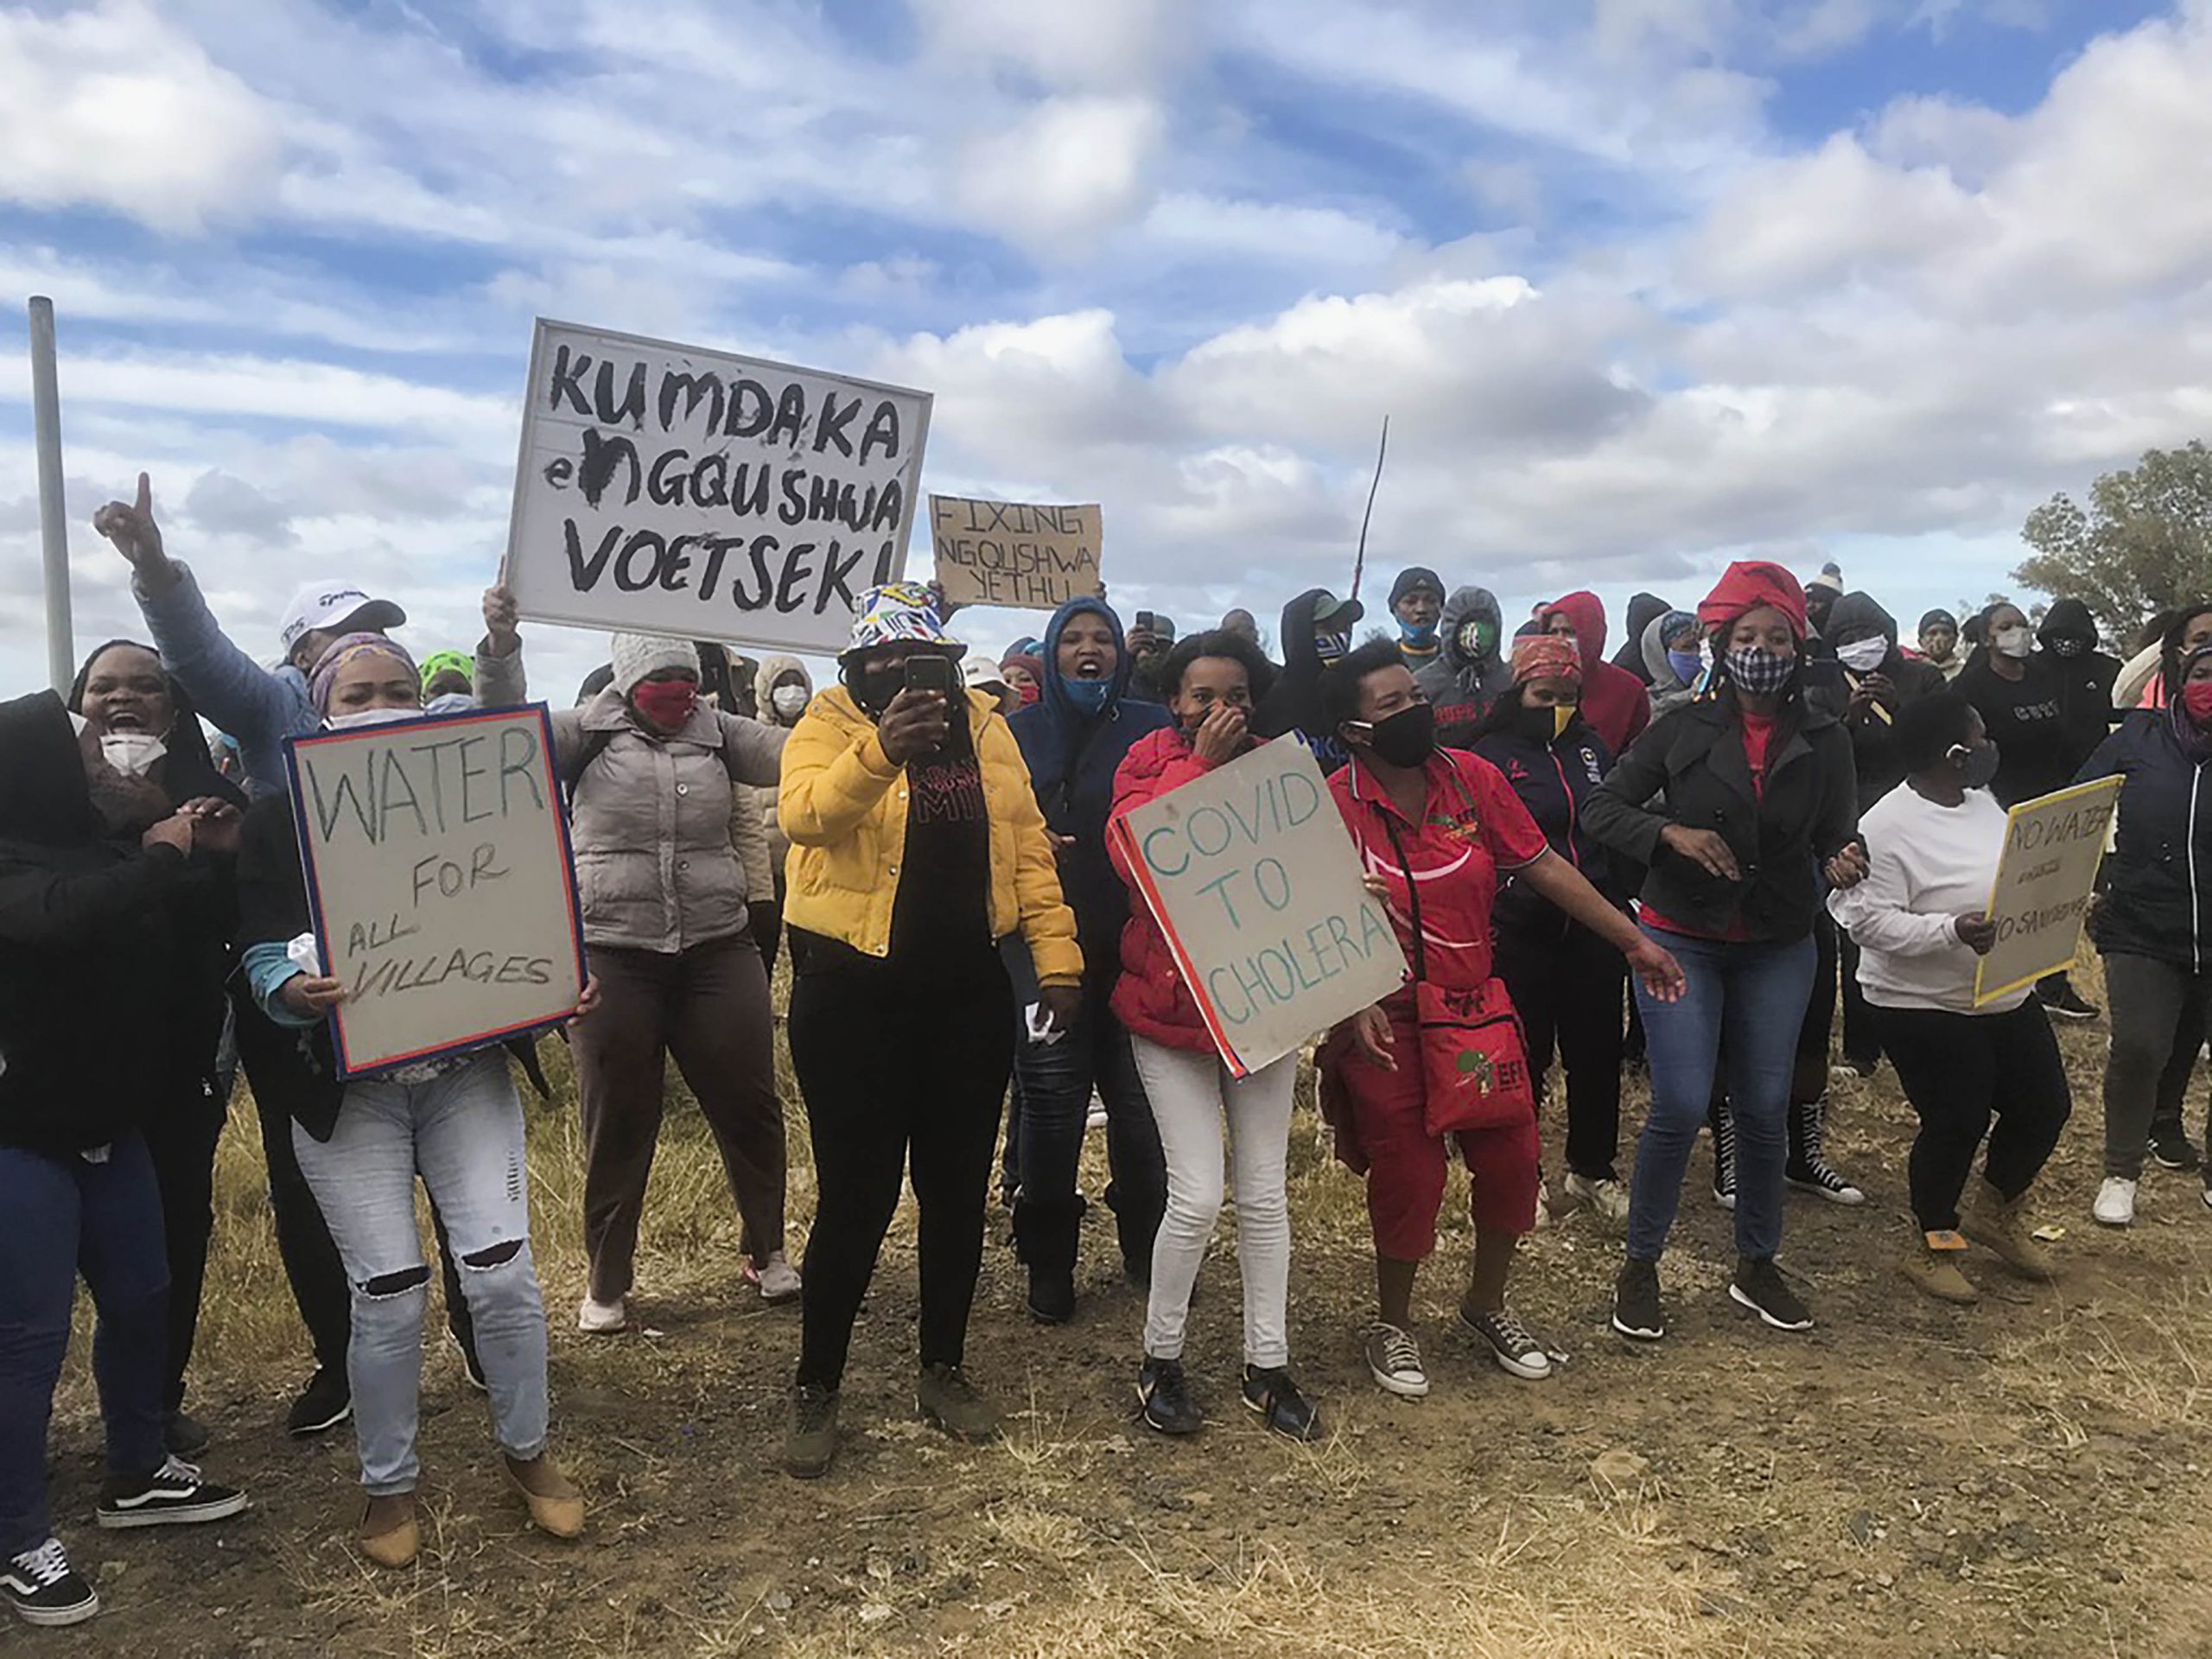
[1256, 884]
[2053, 847]
[440, 883]
[667, 490]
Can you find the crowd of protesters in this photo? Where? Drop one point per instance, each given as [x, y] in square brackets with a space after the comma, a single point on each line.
[1767, 806]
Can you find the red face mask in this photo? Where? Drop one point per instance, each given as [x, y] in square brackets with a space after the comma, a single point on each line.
[2197, 701]
[667, 703]
[1030, 693]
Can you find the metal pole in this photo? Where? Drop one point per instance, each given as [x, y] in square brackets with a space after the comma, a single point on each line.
[52, 510]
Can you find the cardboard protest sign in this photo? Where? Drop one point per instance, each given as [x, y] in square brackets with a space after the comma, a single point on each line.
[441, 882]
[663, 489]
[2053, 847]
[1030, 558]
[1256, 884]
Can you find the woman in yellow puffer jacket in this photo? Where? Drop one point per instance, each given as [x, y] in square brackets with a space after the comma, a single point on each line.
[917, 845]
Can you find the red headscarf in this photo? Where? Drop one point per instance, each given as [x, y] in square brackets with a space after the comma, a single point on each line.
[1546, 656]
[1746, 585]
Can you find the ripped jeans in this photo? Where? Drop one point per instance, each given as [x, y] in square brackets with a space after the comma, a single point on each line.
[462, 1132]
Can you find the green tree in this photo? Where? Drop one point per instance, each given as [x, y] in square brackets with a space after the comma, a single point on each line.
[2143, 543]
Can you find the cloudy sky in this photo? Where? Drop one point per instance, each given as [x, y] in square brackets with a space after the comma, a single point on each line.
[1643, 284]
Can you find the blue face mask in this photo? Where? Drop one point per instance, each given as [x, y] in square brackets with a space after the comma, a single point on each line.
[1686, 664]
[1086, 697]
[1421, 635]
[1329, 647]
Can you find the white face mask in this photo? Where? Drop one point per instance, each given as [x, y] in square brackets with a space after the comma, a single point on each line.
[789, 700]
[368, 717]
[2012, 642]
[132, 754]
[1864, 656]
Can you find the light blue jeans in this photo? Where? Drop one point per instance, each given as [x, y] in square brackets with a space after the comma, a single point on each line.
[462, 1133]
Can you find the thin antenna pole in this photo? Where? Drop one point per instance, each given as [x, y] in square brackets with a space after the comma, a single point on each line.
[1359, 559]
[53, 510]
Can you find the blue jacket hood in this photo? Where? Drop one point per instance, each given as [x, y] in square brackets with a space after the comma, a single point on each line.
[1054, 697]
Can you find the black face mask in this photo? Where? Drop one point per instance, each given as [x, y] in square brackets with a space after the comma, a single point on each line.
[1407, 738]
[1544, 724]
[874, 690]
[1979, 765]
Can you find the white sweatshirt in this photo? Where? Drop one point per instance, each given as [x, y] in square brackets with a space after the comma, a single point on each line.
[1926, 865]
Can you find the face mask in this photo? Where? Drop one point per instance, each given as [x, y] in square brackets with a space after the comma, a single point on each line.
[1419, 635]
[1086, 697]
[1407, 738]
[1977, 762]
[1864, 656]
[368, 717]
[1546, 725]
[1761, 672]
[789, 701]
[2197, 702]
[667, 703]
[1030, 693]
[2068, 647]
[1478, 639]
[132, 752]
[2015, 642]
[1329, 647]
[1938, 650]
[1686, 664]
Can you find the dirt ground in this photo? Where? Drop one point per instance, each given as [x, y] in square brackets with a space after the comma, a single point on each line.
[2022, 1479]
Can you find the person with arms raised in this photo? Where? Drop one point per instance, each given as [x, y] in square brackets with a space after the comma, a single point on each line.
[1738, 805]
[104, 1007]
[1436, 830]
[1073, 741]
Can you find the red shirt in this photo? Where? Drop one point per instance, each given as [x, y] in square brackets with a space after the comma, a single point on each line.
[1472, 826]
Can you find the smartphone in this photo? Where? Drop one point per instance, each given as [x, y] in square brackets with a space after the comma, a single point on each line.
[1822, 674]
[930, 670]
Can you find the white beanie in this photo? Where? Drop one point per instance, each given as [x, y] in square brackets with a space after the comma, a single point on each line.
[636, 656]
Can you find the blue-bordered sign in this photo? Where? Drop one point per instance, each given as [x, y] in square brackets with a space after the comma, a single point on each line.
[441, 882]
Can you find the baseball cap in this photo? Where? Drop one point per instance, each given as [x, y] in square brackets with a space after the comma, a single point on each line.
[335, 608]
[981, 676]
[1331, 612]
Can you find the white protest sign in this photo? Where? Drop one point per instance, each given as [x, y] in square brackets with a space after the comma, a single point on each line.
[1254, 880]
[441, 882]
[1032, 558]
[664, 489]
[2053, 847]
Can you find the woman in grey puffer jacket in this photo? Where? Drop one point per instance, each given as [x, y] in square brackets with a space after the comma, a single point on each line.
[651, 773]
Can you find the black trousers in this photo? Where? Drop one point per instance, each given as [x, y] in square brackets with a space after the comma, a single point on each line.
[1959, 1071]
[1862, 1040]
[1567, 985]
[903, 1067]
[180, 1141]
[276, 1073]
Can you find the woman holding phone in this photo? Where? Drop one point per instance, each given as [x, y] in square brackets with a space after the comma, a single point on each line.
[917, 846]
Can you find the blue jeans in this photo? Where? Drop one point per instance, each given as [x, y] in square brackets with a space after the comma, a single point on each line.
[1054, 1083]
[1743, 1007]
[462, 1132]
[66, 1216]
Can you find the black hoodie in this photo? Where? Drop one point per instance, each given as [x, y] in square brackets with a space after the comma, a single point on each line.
[1642, 611]
[82, 919]
[2068, 637]
[1874, 752]
[1294, 703]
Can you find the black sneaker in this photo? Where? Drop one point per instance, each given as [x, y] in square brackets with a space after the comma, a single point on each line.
[172, 1496]
[1052, 1294]
[1166, 1398]
[945, 1397]
[184, 1435]
[810, 1435]
[1516, 1351]
[327, 1402]
[44, 1589]
[2174, 1152]
[1636, 1311]
[2067, 1003]
[1758, 1286]
[1274, 1394]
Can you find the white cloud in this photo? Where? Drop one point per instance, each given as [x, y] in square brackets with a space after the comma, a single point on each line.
[1099, 43]
[113, 108]
[1058, 179]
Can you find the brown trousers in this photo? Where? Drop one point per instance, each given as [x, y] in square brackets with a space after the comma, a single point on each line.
[708, 1007]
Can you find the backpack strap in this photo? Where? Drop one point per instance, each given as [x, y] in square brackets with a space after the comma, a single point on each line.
[590, 749]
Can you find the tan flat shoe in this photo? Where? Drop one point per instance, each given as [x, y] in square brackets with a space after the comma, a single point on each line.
[389, 1534]
[556, 1508]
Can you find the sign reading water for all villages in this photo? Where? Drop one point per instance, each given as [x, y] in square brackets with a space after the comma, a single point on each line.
[441, 882]
[1254, 882]
[664, 489]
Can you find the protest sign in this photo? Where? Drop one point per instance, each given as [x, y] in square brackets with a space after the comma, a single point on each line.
[2053, 845]
[440, 880]
[1032, 558]
[1256, 884]
[663, 489]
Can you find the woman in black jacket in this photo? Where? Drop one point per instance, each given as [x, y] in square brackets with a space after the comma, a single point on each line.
[1760, 803]
[2154, 923]
[1564, 981]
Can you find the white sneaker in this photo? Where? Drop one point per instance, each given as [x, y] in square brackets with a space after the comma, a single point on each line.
[1604, 1195]
[1096, 1118]
[2115, 1205]
[602, 1318]
[778, 1280]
